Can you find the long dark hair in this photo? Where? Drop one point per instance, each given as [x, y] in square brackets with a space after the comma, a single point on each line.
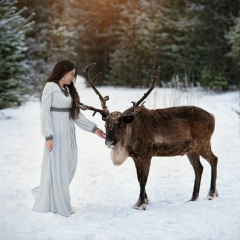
[59, 70]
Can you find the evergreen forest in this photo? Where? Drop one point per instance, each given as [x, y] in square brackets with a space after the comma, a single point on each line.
[194, 40]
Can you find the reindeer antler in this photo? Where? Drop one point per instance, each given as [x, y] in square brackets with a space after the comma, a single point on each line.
[154, 79]
[104, 110]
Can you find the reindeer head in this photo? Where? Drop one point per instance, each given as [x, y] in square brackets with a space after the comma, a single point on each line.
[115, 122]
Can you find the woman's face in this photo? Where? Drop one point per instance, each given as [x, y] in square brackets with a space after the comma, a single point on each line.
[69, 77]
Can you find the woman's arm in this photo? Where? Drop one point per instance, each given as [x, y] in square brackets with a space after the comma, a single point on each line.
[46, 120]
[88, 126]
[100, 133]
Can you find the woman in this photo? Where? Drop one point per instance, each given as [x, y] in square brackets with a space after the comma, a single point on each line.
[59, 114]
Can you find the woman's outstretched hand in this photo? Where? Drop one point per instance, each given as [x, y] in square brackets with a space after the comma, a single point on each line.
[100, 133]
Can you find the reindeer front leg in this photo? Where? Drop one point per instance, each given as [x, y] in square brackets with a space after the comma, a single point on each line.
[142, 167]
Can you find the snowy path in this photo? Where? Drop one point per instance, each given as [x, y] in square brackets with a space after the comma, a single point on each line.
[102, 194]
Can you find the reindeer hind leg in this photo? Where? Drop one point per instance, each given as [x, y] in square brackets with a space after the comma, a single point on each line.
[198, 169]
[213, 160]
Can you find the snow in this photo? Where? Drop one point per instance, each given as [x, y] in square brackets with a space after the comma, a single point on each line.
[102, 194]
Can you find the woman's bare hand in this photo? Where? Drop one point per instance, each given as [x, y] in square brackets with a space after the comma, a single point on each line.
[49, 145]
[100, 133]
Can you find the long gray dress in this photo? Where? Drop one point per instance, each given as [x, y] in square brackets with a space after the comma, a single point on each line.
[59, 165]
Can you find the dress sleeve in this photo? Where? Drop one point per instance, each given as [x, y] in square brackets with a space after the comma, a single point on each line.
[85, 124]
[46, 120]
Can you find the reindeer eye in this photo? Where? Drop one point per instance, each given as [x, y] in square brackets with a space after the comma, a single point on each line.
[128, 119]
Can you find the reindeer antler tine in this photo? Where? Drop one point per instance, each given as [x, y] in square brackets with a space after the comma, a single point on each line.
[92, 84]
[89, 66]
[86, 107]
[154, 78]
[158, 72]
[96, 77]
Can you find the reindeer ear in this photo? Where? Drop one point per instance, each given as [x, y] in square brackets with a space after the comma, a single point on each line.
[128, 119]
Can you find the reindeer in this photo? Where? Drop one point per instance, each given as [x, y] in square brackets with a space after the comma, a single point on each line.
[141, 133]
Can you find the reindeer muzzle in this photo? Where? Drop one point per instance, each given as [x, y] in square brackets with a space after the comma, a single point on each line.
[109, 142]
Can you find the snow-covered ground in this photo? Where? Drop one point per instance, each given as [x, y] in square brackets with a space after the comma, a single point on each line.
[102, 194]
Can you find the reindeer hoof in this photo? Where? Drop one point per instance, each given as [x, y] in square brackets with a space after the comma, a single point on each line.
[139, 207]
[146, 200]
[191, 200]
[212, 195]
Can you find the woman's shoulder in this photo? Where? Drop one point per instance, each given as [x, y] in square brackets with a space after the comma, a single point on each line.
[51, 85]
[49, 88]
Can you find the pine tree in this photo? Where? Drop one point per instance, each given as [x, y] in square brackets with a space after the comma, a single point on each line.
[191, 42]
[95, 32]
[49, 41]
[132, 61]
[153, 33]
[216, 18]
[173, 24]
[129, 39]
[233, 37]
[13, 29]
